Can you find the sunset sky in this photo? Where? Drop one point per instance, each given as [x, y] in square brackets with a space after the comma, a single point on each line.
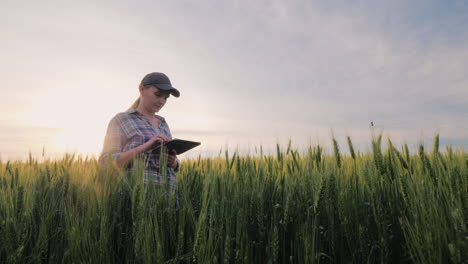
[249, 72]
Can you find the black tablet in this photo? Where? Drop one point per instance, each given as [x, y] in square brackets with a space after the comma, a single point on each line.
[179, 145]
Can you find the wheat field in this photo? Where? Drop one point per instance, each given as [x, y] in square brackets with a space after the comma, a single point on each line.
[385, 206]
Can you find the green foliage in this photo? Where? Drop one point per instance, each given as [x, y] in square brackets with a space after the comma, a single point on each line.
[383, 207]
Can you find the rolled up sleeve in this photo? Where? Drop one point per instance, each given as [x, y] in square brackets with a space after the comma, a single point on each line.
[113, 142]
[177, 168]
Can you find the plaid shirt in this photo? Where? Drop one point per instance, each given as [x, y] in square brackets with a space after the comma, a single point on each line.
[130, 129]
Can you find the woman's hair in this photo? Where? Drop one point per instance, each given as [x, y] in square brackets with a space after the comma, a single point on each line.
[135, 104]
[137, 101]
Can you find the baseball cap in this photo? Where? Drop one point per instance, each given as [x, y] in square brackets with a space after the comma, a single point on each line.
[161, 81]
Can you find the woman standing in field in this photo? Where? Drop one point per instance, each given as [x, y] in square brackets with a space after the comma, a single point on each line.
[136, 132]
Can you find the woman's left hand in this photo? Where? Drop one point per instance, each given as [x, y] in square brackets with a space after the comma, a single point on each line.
[172, 159]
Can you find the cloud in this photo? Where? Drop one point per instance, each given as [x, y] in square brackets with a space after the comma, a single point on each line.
[248, 70]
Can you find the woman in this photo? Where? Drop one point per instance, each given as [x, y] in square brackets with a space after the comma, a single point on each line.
[136, 132]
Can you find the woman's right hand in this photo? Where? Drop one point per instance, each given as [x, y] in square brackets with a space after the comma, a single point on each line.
[127, 156]
[156, 139]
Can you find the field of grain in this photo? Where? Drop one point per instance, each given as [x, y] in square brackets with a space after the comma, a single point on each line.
[386, 206]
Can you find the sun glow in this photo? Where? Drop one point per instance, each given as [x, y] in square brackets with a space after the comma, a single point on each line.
[80, 140]
[81, 119]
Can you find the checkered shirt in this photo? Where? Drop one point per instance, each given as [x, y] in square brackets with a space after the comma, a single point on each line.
[130, 129]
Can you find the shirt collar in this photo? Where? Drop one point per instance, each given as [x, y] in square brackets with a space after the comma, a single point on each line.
[134, 111]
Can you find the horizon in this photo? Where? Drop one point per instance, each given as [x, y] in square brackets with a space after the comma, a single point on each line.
[252, 150]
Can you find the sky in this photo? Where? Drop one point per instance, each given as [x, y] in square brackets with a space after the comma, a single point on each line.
[250, 73]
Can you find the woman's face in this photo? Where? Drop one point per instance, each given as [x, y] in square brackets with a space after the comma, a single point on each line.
[153, 98]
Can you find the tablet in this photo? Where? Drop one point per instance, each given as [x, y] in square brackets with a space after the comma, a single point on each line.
[179, 145]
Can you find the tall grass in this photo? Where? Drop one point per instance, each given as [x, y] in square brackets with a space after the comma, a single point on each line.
[382, 207]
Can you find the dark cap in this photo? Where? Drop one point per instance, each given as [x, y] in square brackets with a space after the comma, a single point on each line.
[161, 81]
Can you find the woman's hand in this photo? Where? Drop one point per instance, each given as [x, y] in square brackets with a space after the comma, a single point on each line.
[160, 138]
[128, 156]
[172, 159]
[157, 138]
